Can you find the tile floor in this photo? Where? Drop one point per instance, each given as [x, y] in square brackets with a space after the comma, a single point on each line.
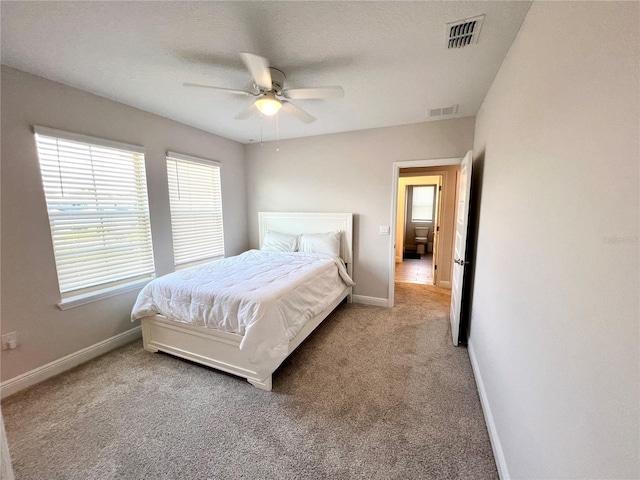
[416, 271]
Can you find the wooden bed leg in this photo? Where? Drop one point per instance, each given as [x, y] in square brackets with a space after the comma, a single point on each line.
[263, 385]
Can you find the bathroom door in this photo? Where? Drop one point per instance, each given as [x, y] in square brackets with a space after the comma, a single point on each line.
[436, 232]
[459, 249]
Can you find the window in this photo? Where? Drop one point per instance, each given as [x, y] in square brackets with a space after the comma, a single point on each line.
[423, 202]
[98, 210]
[196, 209]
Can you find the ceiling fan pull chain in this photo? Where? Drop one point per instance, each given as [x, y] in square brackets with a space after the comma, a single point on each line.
[277, 132]
[261, 142]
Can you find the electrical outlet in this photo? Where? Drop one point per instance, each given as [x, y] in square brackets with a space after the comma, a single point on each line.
[9, 341]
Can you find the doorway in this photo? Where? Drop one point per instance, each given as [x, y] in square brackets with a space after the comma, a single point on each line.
[440, 262]
[417, 227]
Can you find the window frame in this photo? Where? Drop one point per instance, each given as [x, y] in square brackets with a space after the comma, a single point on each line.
[88, 293]
[180, 157]
[433, 205]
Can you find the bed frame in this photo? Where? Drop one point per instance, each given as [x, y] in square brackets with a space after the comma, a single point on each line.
[221, 350]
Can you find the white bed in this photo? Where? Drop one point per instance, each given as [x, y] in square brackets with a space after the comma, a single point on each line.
[253, 350]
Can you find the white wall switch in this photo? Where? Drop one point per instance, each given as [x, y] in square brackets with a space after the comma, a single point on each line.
[384, 230]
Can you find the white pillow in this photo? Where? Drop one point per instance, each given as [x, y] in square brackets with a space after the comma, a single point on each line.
[320, 243]
[280, 242]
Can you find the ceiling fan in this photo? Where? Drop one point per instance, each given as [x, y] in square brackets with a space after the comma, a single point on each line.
[270, 92]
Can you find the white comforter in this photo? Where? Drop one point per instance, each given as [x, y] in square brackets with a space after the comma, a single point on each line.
[264, 296]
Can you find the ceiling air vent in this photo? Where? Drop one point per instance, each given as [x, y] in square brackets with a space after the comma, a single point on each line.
[464, 32]
[439, 112]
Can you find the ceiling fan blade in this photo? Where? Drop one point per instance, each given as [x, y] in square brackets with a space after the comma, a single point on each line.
[313, 93]
[259, 69]
[228, 90]
[247, 112]
[297, 112]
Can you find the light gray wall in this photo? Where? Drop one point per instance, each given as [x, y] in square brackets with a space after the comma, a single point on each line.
[348, 172]
[554, 326]
[29, 282]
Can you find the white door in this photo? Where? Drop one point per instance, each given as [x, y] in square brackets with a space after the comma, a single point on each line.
[435, 259]
[460, 246]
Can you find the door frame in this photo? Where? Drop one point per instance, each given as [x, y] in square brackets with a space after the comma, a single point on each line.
[438, 162]
[418, 181]
[437, 220]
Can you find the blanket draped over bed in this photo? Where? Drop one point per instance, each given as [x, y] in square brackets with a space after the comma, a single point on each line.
[264, 296]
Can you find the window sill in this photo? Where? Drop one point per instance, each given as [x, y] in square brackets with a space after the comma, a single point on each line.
[91, 297]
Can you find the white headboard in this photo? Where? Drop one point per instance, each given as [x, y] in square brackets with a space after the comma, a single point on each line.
[298, 223]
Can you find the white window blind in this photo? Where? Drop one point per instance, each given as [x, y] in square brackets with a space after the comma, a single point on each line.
[196, 209]
[96, 195]
[423, 202]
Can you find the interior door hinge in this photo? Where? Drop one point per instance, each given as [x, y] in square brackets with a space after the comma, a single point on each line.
[435, 267]
[439, 188]
[438, 228]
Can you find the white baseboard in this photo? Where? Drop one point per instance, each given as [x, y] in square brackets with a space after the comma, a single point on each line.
[444, 284]
[496, 445]
[375, 301]
[37, 375]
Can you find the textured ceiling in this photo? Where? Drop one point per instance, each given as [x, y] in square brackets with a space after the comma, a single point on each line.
[390, 57]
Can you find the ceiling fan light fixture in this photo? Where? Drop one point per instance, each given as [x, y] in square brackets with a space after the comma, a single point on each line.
[268, 104]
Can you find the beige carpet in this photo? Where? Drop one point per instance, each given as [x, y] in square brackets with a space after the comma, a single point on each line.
[374, 393]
